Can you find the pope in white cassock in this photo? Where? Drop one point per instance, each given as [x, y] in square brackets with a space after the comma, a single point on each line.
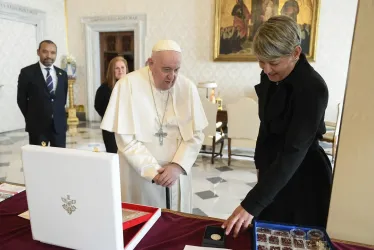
[158, 118]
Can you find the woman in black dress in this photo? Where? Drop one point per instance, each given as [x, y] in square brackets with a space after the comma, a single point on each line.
[294, 172]
[116, 69]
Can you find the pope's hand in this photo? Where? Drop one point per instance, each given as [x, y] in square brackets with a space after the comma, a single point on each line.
[240, 218]
[168, 175]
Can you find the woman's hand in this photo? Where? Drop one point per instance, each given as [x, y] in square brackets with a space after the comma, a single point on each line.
[240, 218]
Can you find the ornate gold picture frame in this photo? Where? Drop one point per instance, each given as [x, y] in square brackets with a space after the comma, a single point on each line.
[236, 22]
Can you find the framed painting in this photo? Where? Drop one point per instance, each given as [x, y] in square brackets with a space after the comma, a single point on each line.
[236, 23]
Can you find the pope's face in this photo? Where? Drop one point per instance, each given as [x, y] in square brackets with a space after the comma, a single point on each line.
[165, 66]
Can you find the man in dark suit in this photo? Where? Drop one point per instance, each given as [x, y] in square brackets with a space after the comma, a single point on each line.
[41, 97]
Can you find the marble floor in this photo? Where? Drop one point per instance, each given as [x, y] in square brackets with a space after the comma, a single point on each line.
[218, 188]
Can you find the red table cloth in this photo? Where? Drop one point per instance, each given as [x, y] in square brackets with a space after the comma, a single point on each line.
[172, 231]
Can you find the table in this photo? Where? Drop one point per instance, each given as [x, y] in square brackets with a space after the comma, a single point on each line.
[172, 231]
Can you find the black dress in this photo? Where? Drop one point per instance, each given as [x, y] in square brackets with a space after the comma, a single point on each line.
[295, 174]
[101, 103]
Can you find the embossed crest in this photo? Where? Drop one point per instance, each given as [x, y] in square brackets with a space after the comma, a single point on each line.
[69, 204]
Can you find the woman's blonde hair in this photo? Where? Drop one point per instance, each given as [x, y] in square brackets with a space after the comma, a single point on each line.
[110, 74]
[277, 37]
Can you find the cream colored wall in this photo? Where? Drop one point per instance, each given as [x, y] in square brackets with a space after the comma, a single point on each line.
[191, 24]
[351, 214]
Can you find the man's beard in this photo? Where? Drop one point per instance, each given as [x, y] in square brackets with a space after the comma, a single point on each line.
[48, 62]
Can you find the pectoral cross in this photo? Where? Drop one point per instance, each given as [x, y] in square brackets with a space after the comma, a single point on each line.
[161, 136]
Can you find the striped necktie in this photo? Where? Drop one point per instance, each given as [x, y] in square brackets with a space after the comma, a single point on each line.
[49, 81]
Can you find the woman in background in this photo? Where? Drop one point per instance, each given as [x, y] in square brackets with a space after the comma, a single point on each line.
[117, 68]
[295, 175]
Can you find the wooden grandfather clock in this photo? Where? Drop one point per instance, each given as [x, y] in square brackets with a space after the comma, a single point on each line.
[114, 44]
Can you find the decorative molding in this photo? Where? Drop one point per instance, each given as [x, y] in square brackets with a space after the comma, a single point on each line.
[140, 17]
[93, 26]
[18, 8]
[23, 14]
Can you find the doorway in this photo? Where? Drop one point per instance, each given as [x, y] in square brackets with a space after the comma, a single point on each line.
[114, 44]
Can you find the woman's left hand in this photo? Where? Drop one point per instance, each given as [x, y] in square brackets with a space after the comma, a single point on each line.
[240, 218]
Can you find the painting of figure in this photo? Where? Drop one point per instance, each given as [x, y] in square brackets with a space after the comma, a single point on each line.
[236, 23]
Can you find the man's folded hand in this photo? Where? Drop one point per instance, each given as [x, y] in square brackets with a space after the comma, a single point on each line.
[168, 175]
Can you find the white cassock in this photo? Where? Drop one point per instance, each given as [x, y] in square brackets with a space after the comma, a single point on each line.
[132, 115]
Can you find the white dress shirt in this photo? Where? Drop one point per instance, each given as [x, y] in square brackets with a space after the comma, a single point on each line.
[52, 71]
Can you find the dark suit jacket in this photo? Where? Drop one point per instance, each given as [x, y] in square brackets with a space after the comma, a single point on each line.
[293, 169]
[38, 106]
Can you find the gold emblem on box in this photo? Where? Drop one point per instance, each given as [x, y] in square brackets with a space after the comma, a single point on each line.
[68, 204]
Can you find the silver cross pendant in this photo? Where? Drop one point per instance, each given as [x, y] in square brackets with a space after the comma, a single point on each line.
[161, 136]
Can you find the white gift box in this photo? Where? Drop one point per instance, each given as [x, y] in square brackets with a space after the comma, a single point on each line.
[74, 199]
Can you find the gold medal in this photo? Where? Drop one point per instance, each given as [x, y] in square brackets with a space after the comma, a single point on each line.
[215, 237]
